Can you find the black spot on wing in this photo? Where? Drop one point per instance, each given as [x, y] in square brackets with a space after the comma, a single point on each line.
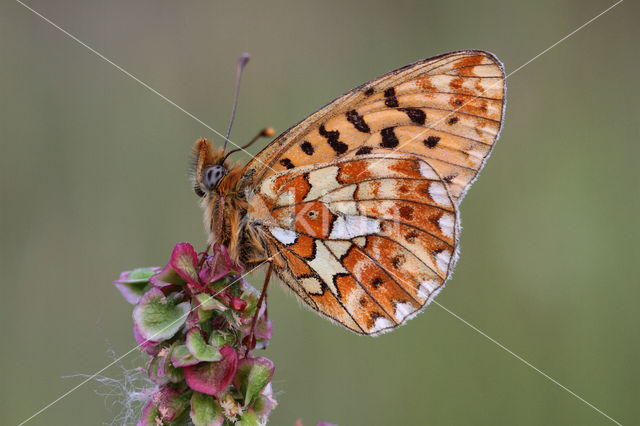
[389, 139]
[431, 141]
[358, 121]
[397, 261]
[376, 282]
[390, 99]
[307, 148]
[364, 150]
[452, 120]
[332, 139]
[287, 163]
[416, 115]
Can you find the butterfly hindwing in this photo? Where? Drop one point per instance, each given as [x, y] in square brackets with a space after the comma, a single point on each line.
[366, 240]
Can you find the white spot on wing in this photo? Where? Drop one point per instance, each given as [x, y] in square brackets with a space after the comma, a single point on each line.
[360, 241]
[285, 236]
[322, 181]
[438, 193]
[342, 208]
[342, 194]
[347, 227]
[380, 324]
[442, 260]
[339, 248]
[312, 285]
[427, 171]
[446, 224]
[403, 310]
[326, 265]
[426, 288]
[267, 188]
[286, 198]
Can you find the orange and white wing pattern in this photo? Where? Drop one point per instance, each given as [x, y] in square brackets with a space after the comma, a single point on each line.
[358, 203]
[367, 240]
[447, 109]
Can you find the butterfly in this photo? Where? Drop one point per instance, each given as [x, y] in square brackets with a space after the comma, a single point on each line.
[357, 207]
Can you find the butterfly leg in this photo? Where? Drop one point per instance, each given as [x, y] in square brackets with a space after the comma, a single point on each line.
[250, 340]
[253, 261]
[219, 235]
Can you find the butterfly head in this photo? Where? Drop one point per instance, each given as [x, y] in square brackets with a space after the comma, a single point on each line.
[209, 168]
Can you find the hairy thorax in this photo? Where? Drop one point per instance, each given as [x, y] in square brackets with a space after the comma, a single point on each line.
[243, 240]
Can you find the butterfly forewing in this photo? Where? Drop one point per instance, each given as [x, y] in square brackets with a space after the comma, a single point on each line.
[358, 203]
[447, 109]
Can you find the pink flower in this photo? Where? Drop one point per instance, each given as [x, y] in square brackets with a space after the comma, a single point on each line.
[212, 378]
[217, 265]
[181, 269]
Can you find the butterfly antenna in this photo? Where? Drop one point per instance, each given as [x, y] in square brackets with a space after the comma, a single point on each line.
[264, 133]
[241, 64]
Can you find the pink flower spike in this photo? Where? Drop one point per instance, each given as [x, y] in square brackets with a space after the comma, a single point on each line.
[212, 378]
[181, 269]
[185, 260]
[238, 304]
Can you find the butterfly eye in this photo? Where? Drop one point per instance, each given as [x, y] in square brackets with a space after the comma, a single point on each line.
[212, 176]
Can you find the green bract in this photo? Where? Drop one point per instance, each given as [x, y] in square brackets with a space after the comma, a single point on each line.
[133, 284]
[199, 347]
[157, 317]
[252, 376]
[205, 410]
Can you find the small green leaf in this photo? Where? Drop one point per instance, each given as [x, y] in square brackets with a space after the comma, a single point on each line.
[208, 302]
[248, 418]
[252, 376]
[133, 284]
[142, 274]
[157, 317]
[153, 371]
[172, 373]
[220, 338]
[199, 347]
[181, 357]
[205, 410]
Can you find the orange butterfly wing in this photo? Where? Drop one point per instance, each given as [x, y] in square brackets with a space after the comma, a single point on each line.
[358, 203]
[447, 109]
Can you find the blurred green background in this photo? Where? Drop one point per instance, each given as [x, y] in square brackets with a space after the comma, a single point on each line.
[94, 181]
